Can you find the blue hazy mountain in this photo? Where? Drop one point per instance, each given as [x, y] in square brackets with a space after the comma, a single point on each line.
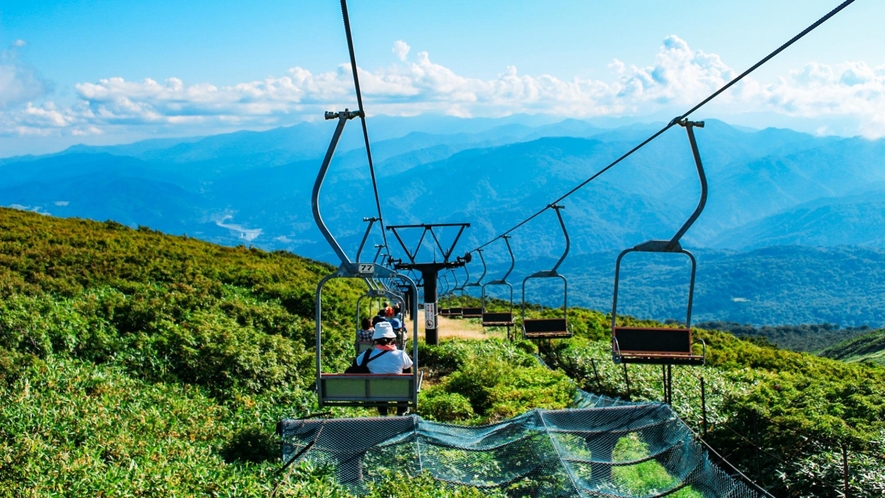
[770, 187]
[767, 187]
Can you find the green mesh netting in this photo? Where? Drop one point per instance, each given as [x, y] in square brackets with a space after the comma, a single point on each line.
[602, 447]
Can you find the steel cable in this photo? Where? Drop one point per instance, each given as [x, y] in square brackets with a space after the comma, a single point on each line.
[359, 103]
[669, 125]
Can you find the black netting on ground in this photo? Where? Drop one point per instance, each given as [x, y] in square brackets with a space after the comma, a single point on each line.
[603, 447]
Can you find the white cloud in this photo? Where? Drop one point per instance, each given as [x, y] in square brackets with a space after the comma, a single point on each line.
[401, 49]
[678, 78]
[19, 82]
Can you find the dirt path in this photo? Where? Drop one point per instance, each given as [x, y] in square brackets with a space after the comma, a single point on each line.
[449, 328]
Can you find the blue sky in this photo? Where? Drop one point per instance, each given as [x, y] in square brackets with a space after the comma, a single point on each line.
[103, 72]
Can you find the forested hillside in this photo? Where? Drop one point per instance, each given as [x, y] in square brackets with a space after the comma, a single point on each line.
[136, 363]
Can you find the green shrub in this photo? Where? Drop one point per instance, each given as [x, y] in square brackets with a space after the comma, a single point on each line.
[437, 404]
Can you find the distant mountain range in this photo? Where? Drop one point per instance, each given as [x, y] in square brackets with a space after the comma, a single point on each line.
[772, 187]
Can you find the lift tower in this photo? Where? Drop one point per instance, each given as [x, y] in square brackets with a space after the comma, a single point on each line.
[429, 270]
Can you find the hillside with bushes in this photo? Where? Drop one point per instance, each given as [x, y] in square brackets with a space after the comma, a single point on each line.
[136, 363]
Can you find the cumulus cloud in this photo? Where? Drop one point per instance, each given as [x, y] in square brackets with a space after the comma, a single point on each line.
[401, 49]
[678, 77]
[19, 82]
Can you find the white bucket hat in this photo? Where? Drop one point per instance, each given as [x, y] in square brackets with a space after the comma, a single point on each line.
[383, 330]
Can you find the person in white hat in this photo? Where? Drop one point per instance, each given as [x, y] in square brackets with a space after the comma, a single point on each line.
[385, 358]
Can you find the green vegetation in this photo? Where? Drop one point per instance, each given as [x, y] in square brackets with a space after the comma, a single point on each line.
[134, 363]
[475, 391]
[869, 347]
[807, 337]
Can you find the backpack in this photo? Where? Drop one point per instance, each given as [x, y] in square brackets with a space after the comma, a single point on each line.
[362, 367]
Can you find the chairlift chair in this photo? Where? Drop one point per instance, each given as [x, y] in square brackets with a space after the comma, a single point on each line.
[474, 312]
[367, 390]
[549, 328]
[444, 311]
[662, 345]
[499, 318]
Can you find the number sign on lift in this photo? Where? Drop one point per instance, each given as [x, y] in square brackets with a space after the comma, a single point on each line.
[367, 269]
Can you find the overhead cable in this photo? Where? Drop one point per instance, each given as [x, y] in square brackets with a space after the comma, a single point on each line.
[679, 118]
[359, 101]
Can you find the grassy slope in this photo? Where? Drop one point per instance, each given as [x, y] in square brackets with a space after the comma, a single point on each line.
[869, 347]
[137, 363]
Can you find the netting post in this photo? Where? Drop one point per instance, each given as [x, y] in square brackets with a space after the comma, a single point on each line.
[704, 406]
[601, 454]
[626, 380]
[350, 467]
[845, 468]
[596, 373]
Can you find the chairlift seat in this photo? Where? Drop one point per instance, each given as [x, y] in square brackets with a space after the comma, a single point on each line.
[545, 328]
[497, 319]
[451, 312]
[655, 346]
[471, 312]
[340, 389]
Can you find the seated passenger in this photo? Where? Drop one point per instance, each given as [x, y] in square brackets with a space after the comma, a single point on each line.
[385, 358]
[398, 329]
[364, 336]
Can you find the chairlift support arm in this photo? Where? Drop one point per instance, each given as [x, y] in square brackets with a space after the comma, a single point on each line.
[466, 281]
[478, 282]
[446, 289]
[503, 280]
[359, 251]
[689, 128]
[342, 117]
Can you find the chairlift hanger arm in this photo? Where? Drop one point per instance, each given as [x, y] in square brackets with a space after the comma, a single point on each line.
[342, 117]
[689, 128]
[503, 280]
[359, 251]
[379, 248]
[479, 280]
[557, 208]
[466, 279]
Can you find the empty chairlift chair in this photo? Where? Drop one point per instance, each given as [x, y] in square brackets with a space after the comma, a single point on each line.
[445, 310]
[662, 345]
[457, 311]
[499, 318]
[548, 328]
[341, 389]
[474, 312]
